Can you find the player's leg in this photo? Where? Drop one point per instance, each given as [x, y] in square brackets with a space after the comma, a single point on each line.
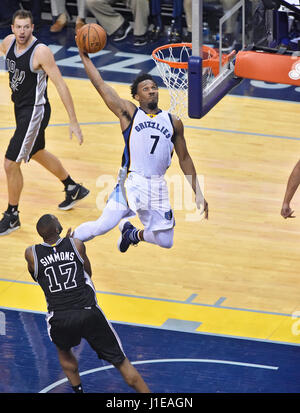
[51, 163]
[10, 221]
[42, 156]
[131, 235]
[154, 211]
[69, 365]
[162, 238]
[104, 340]
[15, 153]
[74, 191]
[158, 229]
[14, 180]
[112, 214]
[115, 210]
[132, 377]
[64, 329]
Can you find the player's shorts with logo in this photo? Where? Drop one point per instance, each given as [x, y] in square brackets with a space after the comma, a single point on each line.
[29, 136]
[146, 197]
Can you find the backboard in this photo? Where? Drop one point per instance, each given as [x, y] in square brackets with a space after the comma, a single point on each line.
[204, 94]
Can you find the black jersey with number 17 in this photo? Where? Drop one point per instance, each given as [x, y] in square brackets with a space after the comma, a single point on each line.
[59, 270]
[28, 86]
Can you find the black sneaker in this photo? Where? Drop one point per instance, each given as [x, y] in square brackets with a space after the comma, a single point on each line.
[122, 32]
[73, 196]
[187, 37]
[9, 223]
[124, 241]
[155, 33]
[175, 37]
[140, 40]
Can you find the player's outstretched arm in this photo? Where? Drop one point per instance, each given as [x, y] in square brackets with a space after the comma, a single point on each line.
[291, 188]
[187, 165]
[122, 108]
[44, 59]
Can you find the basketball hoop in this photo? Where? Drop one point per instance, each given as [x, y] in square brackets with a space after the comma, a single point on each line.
[172, 63]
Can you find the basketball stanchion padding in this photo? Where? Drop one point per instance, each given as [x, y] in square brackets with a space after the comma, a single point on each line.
[268, 67]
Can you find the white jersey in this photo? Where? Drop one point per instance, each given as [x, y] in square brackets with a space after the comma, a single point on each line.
[149, 143]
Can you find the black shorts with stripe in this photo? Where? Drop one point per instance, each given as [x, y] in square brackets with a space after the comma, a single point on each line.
[29, 136]
[67, 328]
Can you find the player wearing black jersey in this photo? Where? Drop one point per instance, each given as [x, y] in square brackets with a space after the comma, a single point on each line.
[29, 64]
[63, 270]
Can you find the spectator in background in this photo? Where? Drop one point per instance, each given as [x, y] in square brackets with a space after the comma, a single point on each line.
[9, 7]
[187, 5]
[114, 23]
[58, 10]
[176, 35]
[35, 7]
[158, 27]
[140, 10]
[229, 37]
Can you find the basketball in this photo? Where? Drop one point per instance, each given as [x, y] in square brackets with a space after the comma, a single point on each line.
[91, 38]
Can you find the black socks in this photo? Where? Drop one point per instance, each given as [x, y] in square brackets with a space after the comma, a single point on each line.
[11, 209]
[77, 389]
[69, 182]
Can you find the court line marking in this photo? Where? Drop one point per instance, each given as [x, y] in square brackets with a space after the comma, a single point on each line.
[220, 301]
[191, 298]
[233, 363]
[188, 301]
[261, 340]
[236, 132]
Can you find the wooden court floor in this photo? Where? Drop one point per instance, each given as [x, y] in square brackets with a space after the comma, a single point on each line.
[245, 255]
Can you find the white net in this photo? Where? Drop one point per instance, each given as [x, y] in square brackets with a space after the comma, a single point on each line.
[176, 78]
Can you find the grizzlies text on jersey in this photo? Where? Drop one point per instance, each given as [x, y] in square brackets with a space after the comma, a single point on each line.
[149, 143]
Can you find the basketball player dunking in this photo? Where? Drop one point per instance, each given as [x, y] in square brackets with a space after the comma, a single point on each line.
[150, 135]
[29, 64]
[62, 269]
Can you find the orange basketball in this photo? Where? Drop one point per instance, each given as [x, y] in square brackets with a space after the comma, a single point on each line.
[91, 38]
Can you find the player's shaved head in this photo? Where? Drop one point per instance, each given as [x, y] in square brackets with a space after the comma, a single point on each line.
[47, 226]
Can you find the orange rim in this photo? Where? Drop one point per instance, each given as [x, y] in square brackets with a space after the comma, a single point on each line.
[184, 65]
